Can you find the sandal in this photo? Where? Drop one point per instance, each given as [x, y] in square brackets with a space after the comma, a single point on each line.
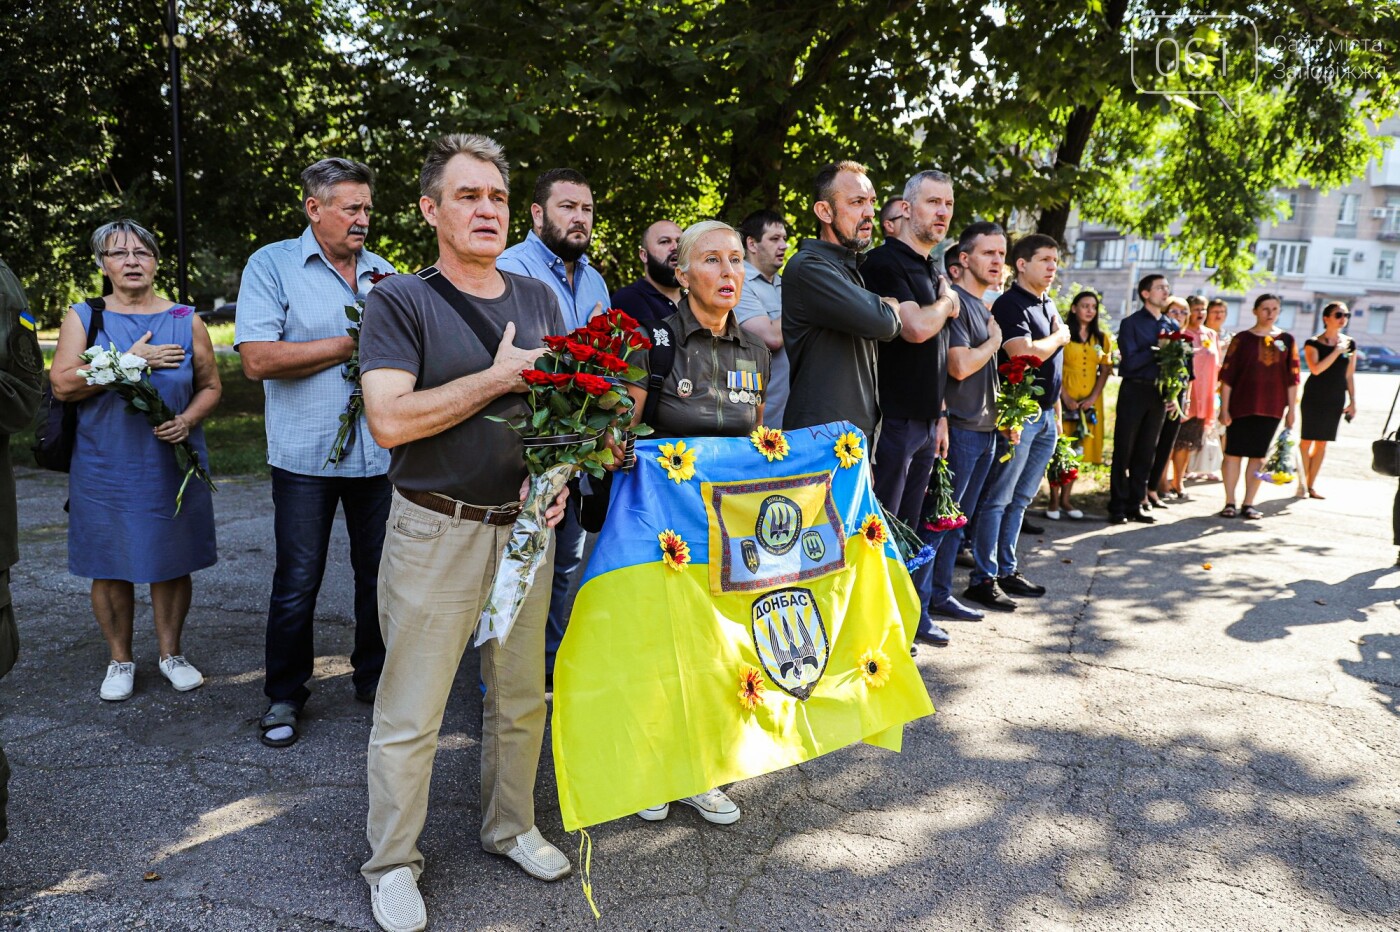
[279, 715]
[1229, 512]
[1312, 493]
[1251, 513]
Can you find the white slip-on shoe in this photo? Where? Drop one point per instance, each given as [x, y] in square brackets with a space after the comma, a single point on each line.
[396, 902]
[539, 858]
[656, 813]
[1052, 514]
[181, 673]
[714, 807]
[1074, 514]
[120, 681]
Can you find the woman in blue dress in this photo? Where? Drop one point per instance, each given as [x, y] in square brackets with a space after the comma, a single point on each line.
[122, 526]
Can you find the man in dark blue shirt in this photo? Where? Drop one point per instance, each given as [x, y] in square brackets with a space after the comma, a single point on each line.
[657, 293]
[1141, 409]
[1030, 326]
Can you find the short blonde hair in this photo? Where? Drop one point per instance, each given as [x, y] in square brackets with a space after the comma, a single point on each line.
[1176, 301]
[692, 235]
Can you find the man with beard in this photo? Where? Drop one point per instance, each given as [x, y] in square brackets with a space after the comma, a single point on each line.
[561, 211]
[760, 307]
[555, 251]
[831, 321]
[912, 376]
[656, 294]
[290, 333]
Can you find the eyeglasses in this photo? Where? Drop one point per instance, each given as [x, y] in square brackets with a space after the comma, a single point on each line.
[121, 255]
[1341, 315]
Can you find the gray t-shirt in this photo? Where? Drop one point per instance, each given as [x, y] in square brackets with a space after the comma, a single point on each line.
[408, 326]
[971, 401]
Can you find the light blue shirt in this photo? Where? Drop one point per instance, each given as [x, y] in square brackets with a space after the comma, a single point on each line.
[761, 297]
[290, 292]
[533, 258]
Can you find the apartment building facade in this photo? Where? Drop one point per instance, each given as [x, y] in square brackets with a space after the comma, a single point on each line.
[1343, 245]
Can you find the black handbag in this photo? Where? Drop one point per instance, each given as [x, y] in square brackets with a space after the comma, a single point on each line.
[56, 428]
[1385, 452]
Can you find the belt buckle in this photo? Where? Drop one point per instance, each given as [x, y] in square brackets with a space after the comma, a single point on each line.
[510, 511]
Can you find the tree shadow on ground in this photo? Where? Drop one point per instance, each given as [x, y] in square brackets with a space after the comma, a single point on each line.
[1313, 602]
[1380, 666]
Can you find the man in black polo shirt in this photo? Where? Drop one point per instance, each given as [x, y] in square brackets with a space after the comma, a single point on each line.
[912, 376]
[1030, 326]
[656, 294]
[1141, 408]
[831, 321]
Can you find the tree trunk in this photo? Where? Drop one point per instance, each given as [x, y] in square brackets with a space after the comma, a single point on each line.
[1073, 143]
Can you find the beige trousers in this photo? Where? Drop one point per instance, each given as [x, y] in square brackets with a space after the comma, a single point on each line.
[433, 579]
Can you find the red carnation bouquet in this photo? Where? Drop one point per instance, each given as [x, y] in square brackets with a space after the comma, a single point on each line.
[941, 509]
[577, 403]
[1064, 462]
[1174, 363]
[1016, 401]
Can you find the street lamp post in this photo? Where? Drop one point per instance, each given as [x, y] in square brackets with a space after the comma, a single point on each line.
[176, 42]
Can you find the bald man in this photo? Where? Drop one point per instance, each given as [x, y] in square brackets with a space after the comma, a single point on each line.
[657, 293]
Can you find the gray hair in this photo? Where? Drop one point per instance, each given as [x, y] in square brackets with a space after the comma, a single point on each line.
[103, 235]
[442, 150]
[692, 235]
[318, 179]
[912, 186]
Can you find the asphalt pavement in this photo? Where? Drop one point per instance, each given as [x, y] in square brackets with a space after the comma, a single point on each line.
[1195, 729]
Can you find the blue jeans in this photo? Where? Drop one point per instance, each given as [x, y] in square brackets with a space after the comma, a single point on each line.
[568, 563]
[303, 512]
[970, 456]
[1007, 497]
[903, 464]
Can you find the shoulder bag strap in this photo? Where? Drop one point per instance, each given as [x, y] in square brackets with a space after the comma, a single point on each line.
[469, 313]
[97, 306]
[1385, 431]
[662, 360]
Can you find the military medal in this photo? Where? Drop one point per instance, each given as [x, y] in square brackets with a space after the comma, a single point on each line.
[684, 388]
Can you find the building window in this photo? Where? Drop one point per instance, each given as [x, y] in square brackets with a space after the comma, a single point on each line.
[1284, 258]
[1376, 318]
[1391, 224]
[1340, 257]
[1156, 255]
[1099, 253]
[1386, 270]
[1232, 313]
[1288, 314]
[1291, 198]
[1347, 212]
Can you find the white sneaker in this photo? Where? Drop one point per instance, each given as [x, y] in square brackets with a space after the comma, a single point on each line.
[537, 857]
[396, 902]
[1053, 515]
[120, 681]
[656, 813]
[714, 807]
[181, 673]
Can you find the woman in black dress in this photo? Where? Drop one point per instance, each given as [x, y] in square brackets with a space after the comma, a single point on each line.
[1329, 392]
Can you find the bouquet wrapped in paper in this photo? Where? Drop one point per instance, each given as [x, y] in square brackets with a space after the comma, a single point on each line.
[941, 510]
[1064, 462]
[1017, 403]
[126, 374]
[1278, 469]
[576, 405]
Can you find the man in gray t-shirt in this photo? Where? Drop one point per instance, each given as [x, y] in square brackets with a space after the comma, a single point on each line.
[430, 383]
[973, 340]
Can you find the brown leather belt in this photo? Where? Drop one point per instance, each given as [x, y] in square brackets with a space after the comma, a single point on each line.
[497, 517]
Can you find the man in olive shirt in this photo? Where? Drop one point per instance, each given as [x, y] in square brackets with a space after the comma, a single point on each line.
[430, 385]
[21, 375]
[831, 321]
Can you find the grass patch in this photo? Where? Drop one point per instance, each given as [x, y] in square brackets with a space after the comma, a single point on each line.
[220, 334]
[233, 433]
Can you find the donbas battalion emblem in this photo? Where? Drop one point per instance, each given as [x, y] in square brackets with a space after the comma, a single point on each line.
[790, 638]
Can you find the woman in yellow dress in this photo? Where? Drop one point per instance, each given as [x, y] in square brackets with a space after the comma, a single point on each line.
[1087, 365]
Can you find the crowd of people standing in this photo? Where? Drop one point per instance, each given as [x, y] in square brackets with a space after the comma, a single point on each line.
[906, 341]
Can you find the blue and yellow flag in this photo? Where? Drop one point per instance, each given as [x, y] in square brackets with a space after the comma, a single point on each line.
[740, 614]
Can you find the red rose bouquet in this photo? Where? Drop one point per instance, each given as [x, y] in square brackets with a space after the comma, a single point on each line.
[1017, 403]
[1064, 462]
[1174, 363]
[576, 405]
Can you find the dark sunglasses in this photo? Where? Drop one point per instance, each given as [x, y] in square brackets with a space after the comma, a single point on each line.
[1341, 315]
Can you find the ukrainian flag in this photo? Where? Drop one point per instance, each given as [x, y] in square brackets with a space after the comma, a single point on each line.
[739, 615]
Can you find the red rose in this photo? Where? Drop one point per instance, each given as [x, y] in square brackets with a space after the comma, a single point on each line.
[557, 344]
[610, 363]
[377, 277]
[621, 319]
[1016, 377]
[637, 341]
[593, 384]
[600, 324]
[536, 377]
[581, 351]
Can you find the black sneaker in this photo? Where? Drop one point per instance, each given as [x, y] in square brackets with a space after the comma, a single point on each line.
[1117, 519]
[989, 594]
[1016, 584]
[1028, 528]
[1142, 518]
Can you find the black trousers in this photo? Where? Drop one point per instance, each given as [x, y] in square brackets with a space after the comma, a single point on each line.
[1135, 432]
[1166, 442]
[1395, 517]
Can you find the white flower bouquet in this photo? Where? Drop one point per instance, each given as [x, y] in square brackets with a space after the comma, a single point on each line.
[125, 374]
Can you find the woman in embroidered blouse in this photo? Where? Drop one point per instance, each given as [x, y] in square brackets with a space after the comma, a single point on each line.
[1258, 385]
[1205, 366]
[1087, 366]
